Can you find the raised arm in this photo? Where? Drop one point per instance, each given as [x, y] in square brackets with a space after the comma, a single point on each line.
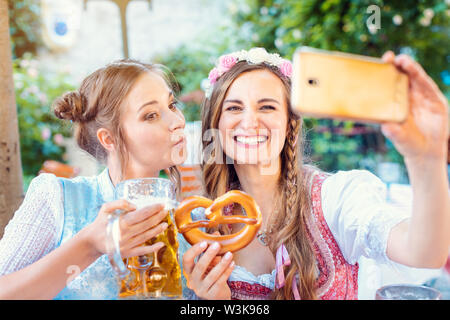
[422, 241]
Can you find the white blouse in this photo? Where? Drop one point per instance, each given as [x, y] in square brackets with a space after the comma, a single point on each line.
[353, 204]
[36, 226]
[355, 209]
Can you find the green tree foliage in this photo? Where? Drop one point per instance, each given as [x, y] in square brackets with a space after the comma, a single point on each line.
[24, 26]
[190, 66]
[418, 28]
[41, 133]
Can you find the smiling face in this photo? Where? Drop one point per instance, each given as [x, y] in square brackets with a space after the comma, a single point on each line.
[253, 120]
[153, 127]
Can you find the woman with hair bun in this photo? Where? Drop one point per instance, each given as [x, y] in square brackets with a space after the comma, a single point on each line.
[315, 225]
[126, 116]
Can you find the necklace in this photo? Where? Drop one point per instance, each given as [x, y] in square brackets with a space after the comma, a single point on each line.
[263, 235]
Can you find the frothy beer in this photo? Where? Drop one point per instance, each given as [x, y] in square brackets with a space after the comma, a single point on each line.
[158, 274]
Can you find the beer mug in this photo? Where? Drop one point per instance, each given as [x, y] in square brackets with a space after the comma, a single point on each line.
[407, 292]
[156, 275]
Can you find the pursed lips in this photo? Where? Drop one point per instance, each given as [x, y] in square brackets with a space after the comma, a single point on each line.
[179, 141]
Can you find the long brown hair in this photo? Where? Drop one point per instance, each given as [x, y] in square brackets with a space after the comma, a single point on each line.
[98, 103]
[219, 176]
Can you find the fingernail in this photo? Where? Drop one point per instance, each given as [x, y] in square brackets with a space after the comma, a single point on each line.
[164, 225]
[215, 246]
[227, 256]
[161, 244]
[203, 244]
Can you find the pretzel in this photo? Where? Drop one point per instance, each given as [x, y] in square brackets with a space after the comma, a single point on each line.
[231, 242]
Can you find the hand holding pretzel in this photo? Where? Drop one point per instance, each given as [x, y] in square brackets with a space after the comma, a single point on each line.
[232, 242]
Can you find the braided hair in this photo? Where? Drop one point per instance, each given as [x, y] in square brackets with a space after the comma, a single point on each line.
[290, 224]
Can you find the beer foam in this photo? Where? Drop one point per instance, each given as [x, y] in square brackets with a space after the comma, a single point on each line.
[146, 201]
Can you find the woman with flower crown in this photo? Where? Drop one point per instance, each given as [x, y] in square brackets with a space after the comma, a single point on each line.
[315, 225]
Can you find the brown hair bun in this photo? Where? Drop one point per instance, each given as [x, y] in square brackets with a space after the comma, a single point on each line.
[70, 106]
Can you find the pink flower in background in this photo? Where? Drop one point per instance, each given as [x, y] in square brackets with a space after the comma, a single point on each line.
[32, 72]
[58, 139]
[42, 98]
[286, 68]
[213, 75]
[46, 133]
[226, 62]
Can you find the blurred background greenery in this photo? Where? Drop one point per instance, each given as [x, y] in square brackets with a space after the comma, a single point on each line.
[418, 28]
[24, 27]
[41, 133]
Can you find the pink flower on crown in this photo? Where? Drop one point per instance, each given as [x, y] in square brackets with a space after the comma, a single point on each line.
[286, 68]
[226, 62]
[213, 75]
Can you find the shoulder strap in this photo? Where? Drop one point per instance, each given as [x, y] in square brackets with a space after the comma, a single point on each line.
[81, 203]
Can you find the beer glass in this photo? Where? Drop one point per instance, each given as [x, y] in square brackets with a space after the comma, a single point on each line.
[156, 275]
[407, 292]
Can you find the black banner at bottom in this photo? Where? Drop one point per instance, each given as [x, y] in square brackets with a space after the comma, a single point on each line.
[201, 309]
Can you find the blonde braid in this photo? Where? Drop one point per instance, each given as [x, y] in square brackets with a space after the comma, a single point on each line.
[292, 167]
[291, 192]
[292, 228]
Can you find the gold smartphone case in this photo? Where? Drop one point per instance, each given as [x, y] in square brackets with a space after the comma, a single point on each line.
[347, 86]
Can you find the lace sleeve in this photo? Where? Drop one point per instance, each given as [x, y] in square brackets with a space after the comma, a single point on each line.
[36, 226]
[354, 206]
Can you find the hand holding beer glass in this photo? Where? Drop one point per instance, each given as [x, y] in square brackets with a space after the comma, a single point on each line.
[155, 275]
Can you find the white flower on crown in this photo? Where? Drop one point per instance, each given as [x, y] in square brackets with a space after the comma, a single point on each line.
[257, 55]
[274, 59]
[240, 55]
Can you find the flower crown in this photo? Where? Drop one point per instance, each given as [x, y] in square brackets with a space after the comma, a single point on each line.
[254, 56]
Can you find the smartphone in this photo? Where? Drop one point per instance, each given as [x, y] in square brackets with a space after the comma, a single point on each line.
[329, 84]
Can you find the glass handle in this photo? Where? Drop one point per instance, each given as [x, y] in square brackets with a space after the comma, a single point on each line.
[113, 244]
